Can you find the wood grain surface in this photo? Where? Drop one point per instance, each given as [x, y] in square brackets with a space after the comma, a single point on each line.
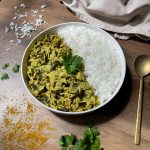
[116, 120]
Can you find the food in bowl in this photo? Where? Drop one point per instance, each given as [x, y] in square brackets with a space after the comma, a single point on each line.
[55, 84]
[103, 64]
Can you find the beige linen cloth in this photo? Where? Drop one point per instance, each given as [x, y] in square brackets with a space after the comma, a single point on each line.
[120, 16]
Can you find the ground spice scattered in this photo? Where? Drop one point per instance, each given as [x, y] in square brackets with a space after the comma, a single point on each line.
[12, 110]
[30, 108]
[22, 127]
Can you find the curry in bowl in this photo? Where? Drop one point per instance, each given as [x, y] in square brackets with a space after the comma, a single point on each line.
[56, 76]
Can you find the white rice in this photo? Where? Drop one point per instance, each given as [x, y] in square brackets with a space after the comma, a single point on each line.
[102, 60]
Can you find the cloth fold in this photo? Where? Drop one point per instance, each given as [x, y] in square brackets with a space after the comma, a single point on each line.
[119, 16]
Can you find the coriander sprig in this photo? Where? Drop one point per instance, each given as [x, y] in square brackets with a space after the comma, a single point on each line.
[72, 63]
[90, 141]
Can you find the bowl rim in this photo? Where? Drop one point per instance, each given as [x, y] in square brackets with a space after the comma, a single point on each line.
[122, 77]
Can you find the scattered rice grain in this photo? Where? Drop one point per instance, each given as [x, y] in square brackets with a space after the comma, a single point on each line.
[11, 41]
[25, 28]
[18, 42]
[12, 25]
[23, 6]
[3, 53]
[15, 7]
[34, 11]
[8, 49]
[3, 37]
[6, 29]
[14, 18]
[44, 6]
[38, 21]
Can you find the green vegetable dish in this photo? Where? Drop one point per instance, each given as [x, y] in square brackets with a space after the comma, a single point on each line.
[56, 76]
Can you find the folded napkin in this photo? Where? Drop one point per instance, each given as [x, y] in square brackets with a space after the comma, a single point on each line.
[129, 17]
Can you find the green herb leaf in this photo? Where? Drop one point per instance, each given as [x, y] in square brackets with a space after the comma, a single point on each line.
[70, 139]
[66, 140]
[90, 141]
[94, 131]
[96, 144]
[88, 137]
[72, 63]
[61, 140]
[16, 68]
[4, 76]
[5, 66]
[79, 145]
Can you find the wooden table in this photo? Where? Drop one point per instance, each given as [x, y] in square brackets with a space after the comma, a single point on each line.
[115, 121]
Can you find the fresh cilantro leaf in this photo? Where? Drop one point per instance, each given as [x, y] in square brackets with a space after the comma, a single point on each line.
[5, 66]
[72, 63]
[16, 68]
[94, 131]
[67, 58]
[79, 145]
[61, 141]
[90, 141]
[69, 139]
[88, 137]
[66, 140]
[96, 144]
[4, 76]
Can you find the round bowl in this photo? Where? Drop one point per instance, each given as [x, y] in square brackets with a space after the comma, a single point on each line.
[52, 30]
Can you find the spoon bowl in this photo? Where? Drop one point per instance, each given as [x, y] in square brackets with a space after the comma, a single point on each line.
[142, 65]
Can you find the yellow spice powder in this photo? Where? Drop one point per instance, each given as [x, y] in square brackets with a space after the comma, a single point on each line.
[25, 133]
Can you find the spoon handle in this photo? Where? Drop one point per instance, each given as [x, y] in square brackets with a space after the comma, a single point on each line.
[139, 115]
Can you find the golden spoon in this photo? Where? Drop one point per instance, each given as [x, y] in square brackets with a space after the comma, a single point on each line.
[142, 68]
